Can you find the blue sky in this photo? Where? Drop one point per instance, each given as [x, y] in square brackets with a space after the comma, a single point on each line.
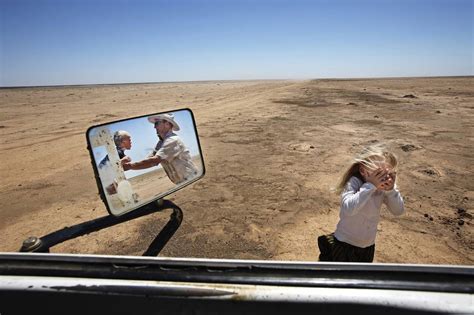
[104, 41]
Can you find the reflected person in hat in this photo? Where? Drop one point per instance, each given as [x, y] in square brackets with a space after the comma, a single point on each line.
[170, 152]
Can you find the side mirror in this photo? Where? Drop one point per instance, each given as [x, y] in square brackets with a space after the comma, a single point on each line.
[139, 160]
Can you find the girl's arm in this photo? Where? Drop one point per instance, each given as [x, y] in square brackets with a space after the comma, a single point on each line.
[394, 201]
[355, 196]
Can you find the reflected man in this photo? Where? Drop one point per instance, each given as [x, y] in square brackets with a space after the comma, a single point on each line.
[170, 152]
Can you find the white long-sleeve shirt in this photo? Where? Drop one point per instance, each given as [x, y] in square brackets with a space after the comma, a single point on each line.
[360, 211]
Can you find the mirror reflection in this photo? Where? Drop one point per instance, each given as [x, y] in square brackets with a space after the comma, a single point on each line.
[142, 159]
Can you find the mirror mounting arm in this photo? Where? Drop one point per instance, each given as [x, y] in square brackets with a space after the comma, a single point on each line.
[43, 244]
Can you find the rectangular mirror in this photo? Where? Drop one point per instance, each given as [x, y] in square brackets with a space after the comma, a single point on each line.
[142, 159]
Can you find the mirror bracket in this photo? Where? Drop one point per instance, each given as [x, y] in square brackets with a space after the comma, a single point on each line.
[43, 244]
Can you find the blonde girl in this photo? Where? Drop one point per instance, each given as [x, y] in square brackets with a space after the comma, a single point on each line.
[366, 184]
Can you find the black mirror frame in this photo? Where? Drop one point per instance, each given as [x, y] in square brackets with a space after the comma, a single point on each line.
[160, 196]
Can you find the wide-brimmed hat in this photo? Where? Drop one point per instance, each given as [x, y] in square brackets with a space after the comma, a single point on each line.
[168, 117]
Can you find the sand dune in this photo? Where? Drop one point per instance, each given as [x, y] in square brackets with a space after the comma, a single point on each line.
[272, 152]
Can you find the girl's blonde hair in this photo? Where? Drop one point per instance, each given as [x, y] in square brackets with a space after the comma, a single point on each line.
[370, 157]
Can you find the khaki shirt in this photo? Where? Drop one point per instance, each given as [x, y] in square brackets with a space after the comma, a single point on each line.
[175, 158]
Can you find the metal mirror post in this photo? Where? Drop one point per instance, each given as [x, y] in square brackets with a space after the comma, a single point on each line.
[43, 244]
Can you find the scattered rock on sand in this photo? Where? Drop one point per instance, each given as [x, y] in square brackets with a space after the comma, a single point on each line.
[462, 213]
[301, 147]
[426, 215]
[429, 172]
[409, 96]
[408, 147]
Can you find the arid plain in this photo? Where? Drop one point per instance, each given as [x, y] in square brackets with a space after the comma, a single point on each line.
[272, 151]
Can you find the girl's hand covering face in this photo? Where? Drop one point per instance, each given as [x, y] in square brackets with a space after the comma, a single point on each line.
[381, 178]
[389, 184]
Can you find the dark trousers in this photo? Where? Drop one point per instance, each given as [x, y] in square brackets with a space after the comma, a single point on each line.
[331, 249]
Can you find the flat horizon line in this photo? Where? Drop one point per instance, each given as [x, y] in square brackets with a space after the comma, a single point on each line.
[236, 80]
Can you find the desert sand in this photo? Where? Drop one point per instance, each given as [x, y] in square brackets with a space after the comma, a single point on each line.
[272, 151]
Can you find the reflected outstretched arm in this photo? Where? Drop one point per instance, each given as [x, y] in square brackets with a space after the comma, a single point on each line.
[146, 163]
